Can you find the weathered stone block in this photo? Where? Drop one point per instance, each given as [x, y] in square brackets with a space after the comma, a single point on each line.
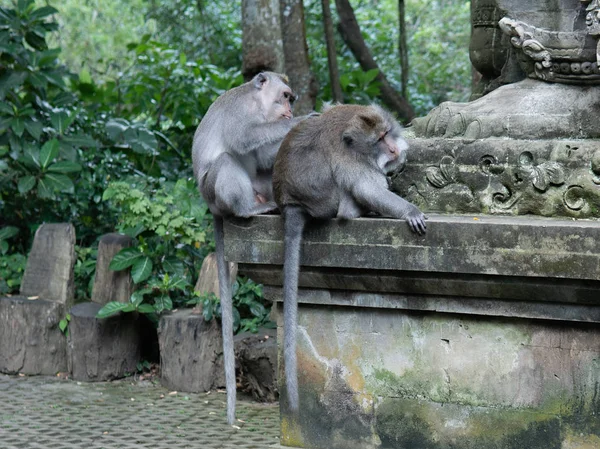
[30, 339]
[472, 337]
[110, 285]
[102, 349]
[190, 352]
[208, 279]
[553, 178]
[49, 270]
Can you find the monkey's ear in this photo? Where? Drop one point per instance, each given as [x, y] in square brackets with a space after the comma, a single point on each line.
[260, 80]
[369, 120]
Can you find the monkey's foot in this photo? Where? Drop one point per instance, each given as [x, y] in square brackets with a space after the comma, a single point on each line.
[528, 109]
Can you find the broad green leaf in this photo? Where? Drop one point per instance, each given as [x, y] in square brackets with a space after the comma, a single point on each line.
[8, 232]
[65, 167]
[173, 265]
[48, 152]
[42, 12]
[62, 324]
[116, 128]
[370, 75]
[163, 302]
[141, 269]
[257, 309]
[80, 140]
[45, 188]
[135, 231]
[85, 77]
[25, 184]
[61, 183]
[48, 58]
[137, 297]
[180, 283]
[112, 308]
[61, 120]
[124, 259]
[6, 108]
[146, 308]
[34, 128]
[18, 125]
[3, 166]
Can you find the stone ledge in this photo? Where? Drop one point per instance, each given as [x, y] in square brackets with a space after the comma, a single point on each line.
[467, 244]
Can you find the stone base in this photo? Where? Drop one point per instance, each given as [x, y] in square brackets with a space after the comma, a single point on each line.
[30, 339]
[481, 334]
[375, 378]
[102, 349]
[192, 356]
[190, 352]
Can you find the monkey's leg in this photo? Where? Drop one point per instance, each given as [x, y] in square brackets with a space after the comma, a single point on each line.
[226, 318]
[234, 192]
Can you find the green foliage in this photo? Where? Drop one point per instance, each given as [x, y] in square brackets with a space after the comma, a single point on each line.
[37, 113]
[438, 34]
[249, 306]
[169, 226]
[96, 33]
[63, 324]
[12, 267]
[85, 270]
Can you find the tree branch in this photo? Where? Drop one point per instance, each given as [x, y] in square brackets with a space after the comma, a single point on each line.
[350, 31]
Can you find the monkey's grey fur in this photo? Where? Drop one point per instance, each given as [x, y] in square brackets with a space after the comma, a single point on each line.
[334, 166]
[233, 152]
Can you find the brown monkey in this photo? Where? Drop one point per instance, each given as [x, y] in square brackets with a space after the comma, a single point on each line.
[334, 166]
[233, 152]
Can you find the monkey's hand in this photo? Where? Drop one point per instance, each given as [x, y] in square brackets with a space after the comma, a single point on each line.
[416, 220]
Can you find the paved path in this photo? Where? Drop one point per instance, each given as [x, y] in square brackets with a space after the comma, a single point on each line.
[50, 413]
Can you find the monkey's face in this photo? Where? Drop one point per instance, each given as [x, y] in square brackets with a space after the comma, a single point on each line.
[276, 98]
[391, 151]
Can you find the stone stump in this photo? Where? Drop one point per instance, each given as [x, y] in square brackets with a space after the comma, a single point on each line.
[102, 349]
[191, 351]
[110, 285]
[109, 348]
[257, 359]
[30, 339]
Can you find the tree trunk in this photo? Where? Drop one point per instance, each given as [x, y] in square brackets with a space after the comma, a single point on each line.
[297, 64]
[262, 43]
[402, 47]
[350, 31]
[334, 74]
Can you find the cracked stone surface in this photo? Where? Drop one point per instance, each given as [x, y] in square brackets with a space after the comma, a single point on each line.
[46, 412]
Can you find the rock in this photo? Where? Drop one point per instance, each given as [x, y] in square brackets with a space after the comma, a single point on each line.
[208, 279]
[31, 341]
[110, 285]
[256, 356]
[190, 352]
[102, 349]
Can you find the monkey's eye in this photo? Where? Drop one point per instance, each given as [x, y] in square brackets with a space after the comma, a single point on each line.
[382, 135]
[290, 97]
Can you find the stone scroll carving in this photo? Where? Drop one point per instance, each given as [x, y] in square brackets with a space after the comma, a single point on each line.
[570, 57]
[552, 178]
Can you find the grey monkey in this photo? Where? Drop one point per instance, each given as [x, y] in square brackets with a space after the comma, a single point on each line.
[233, 153]
[334, 166]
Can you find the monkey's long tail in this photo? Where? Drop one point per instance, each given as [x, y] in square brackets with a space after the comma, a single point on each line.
[226, 318]
[294, 221]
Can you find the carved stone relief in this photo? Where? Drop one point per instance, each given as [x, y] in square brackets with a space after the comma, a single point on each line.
[552, 178]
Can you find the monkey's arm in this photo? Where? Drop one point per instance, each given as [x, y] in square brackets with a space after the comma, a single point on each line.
[380, 200]
[255, 136]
